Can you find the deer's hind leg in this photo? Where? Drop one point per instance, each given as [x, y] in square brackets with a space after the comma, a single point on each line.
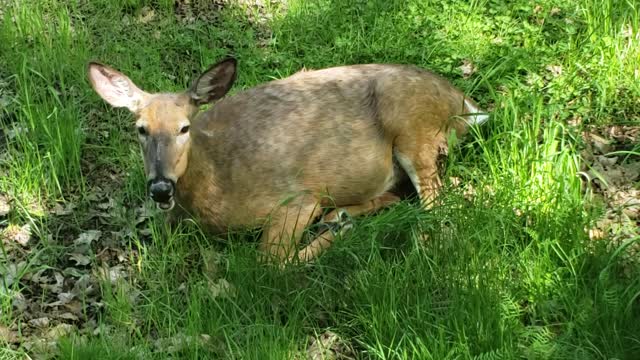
[419, 159]
[285, 229]
[339, 220]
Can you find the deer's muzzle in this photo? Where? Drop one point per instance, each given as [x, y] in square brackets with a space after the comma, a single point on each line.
[161, 191]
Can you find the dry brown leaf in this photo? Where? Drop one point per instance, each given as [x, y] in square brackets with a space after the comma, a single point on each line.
[87, 237]
[60, 210]
[41, 322]
[455, 181]
[575, 121]
[628, 201]
[596, 234]
[632, 213]
[40, 348]
[632, 171]
[607, 161]
[143, 213]
[17, 234]
[73, 272]
[102, 329]
[19, 303]
[35, 208]
[111, 253]
[221, 288]
[145, 232]
[84, 286]
[63, 299]
[147, 14]
[16, 130]
[59, 331]
[612, 176]
[179, 342]
[329, 346]
[624, 133]
[109, 204]
[57, 287]
[75, 307]
[598, 142]
[89, 326]
[10, 273]
[95, 194]
[8, 336]
[80, 259]
[467, 68]
[211, 263]
[38, 277]
[112, 274]
[68, 316]
[555, 70]
[5, 206]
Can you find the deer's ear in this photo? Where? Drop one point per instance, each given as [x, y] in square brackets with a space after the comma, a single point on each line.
[115, 87]
[214, 83]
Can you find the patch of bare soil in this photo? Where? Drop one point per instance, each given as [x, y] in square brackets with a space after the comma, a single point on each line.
[189, 11]
[326, 346]
[56, 256]
[258, 13]
[611, 171]
[51, 282]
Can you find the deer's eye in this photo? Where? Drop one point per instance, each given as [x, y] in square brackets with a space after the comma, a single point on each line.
[142, 131]
[184, 129]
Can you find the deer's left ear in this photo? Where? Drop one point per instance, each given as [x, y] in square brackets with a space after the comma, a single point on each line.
[115, 87]
[214, 83]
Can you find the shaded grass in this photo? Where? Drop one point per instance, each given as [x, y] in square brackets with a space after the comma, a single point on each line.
[506, 273]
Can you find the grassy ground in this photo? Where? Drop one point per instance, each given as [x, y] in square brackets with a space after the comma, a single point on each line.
[523, 259]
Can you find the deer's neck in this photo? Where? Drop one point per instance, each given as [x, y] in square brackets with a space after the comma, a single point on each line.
[199, 194]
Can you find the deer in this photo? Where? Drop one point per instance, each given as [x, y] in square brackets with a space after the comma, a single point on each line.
[277, 155]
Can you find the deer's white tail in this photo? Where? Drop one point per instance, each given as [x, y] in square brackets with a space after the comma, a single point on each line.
[476, 116]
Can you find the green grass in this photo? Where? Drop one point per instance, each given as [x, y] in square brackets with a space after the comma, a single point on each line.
[508, 273]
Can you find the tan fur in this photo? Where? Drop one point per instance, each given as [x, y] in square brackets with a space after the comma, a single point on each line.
[276, 154]
[172, 111]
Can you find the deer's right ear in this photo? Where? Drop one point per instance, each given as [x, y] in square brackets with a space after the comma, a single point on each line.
[214, 83]
[115, 87]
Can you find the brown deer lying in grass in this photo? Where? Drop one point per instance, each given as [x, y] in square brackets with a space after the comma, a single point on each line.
[275, 155]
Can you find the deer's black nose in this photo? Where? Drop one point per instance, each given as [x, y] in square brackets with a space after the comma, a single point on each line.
[161, 190]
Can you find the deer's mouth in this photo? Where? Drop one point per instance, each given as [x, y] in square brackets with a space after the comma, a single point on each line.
[166, 206]
[162, 190]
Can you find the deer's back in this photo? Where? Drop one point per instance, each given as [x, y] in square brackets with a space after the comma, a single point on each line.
[327, 131]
